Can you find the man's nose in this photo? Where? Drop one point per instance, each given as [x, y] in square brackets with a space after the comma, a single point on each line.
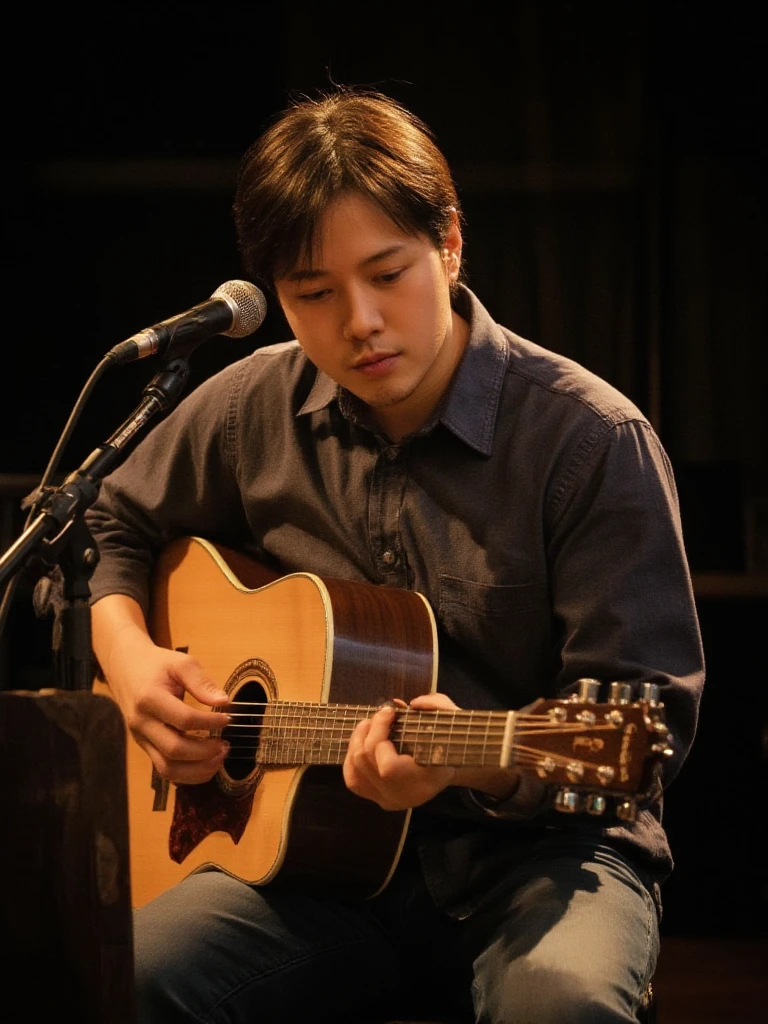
[362, 316]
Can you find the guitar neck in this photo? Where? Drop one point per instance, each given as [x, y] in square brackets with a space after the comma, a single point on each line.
[603, 746]
[303, 734]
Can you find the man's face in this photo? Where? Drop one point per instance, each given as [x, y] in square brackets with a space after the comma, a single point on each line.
[374, 312]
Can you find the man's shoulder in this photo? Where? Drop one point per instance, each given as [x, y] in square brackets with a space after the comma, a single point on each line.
[281, 357]
[542, 375]
[270, 365]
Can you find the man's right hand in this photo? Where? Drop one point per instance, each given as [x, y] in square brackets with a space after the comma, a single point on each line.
[149, 683]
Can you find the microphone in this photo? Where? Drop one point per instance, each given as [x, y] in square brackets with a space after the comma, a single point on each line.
[236, 309]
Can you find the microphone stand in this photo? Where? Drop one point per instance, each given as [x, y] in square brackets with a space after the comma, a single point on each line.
[59, 534]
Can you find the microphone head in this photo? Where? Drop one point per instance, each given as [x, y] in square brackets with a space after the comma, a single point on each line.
[248, 305]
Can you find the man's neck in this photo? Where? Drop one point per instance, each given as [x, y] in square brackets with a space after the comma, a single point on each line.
[406, 417]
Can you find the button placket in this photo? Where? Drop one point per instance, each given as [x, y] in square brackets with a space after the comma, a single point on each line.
[386, 498]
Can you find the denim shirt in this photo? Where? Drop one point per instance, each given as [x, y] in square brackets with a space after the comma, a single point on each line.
[536, 511]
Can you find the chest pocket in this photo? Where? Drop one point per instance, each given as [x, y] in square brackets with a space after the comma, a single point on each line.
[508, 627]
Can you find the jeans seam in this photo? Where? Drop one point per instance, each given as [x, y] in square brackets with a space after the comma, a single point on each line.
[651, 917]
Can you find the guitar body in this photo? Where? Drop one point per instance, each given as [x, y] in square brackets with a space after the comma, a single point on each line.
[294, 638]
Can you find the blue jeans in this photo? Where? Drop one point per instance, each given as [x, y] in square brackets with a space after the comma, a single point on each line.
[569, 935]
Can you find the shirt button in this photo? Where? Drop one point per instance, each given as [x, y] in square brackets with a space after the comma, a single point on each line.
[392, 452]
[389, 558]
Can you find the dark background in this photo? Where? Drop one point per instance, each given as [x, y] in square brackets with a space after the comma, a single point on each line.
[609, 159]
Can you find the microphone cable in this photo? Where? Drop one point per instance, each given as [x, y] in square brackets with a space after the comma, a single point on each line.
[236, 309]
[34, 500]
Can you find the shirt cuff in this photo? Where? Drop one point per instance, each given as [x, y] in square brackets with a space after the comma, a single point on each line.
[531, 797]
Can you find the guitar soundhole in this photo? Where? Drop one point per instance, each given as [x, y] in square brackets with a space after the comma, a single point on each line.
[244, 733]
[250, 687]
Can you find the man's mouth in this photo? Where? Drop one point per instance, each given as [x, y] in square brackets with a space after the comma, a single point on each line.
[376, 364]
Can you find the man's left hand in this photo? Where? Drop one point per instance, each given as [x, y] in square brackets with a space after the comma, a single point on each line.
[375, 770]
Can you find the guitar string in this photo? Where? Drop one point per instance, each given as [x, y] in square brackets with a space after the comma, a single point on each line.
[307, 723]
[526, 757]
[417, 728]
[313, 739]
[326, 711]
[372, 708]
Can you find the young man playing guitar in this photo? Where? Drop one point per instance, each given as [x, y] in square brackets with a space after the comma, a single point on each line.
[405, 440]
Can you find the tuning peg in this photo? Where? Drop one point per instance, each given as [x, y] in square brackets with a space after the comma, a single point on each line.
[650, 692]
[619, 693]
[568, 801]
[588, 690]
[626, 810]
[605, 774]
[662, 749]
[595, 804]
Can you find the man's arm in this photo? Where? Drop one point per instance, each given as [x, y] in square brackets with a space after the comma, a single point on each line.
[149, 683]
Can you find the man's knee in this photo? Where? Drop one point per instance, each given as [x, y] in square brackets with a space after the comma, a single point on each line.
[525, 993]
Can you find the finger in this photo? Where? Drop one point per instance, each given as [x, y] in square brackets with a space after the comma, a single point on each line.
[195, 681]
[434, 702]
[356, 743]
[181, 769]
[353, 777]
[190, 772]
[159, 704]
[358, 768]
[392, 767]
[379, 728]
[173, 745]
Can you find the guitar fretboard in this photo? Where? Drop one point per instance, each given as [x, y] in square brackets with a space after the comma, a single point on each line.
[295, 734]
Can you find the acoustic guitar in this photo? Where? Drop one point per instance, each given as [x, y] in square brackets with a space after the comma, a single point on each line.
[303, 660]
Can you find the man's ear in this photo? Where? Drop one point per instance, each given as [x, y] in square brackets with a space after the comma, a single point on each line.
[451, 249]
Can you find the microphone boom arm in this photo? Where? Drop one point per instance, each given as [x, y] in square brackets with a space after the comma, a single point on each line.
[59, 535]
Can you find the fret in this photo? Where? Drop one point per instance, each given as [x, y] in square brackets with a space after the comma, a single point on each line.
[464, 760]
[306, 730]
[334, 753]
[291, 748]
[484, 755]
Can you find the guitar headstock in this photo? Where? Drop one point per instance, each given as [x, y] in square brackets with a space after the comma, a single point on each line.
[598, 755]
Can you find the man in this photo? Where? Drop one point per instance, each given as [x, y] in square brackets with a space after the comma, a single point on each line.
[406, 439]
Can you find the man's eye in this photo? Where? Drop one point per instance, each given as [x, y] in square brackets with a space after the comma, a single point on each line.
[390, 276]
[313, 296]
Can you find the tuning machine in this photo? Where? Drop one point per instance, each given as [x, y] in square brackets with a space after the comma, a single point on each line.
[588, 690]
[619, 693]
[568, 801]
[595, 804]
[626, 810]
[650, 692]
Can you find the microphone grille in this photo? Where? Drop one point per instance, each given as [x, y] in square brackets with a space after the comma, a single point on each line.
[250, 306]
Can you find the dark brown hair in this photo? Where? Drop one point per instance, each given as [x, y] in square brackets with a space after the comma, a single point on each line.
[348, 141]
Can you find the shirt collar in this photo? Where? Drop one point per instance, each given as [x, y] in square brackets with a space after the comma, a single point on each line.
[323, 392]
[471, 403]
